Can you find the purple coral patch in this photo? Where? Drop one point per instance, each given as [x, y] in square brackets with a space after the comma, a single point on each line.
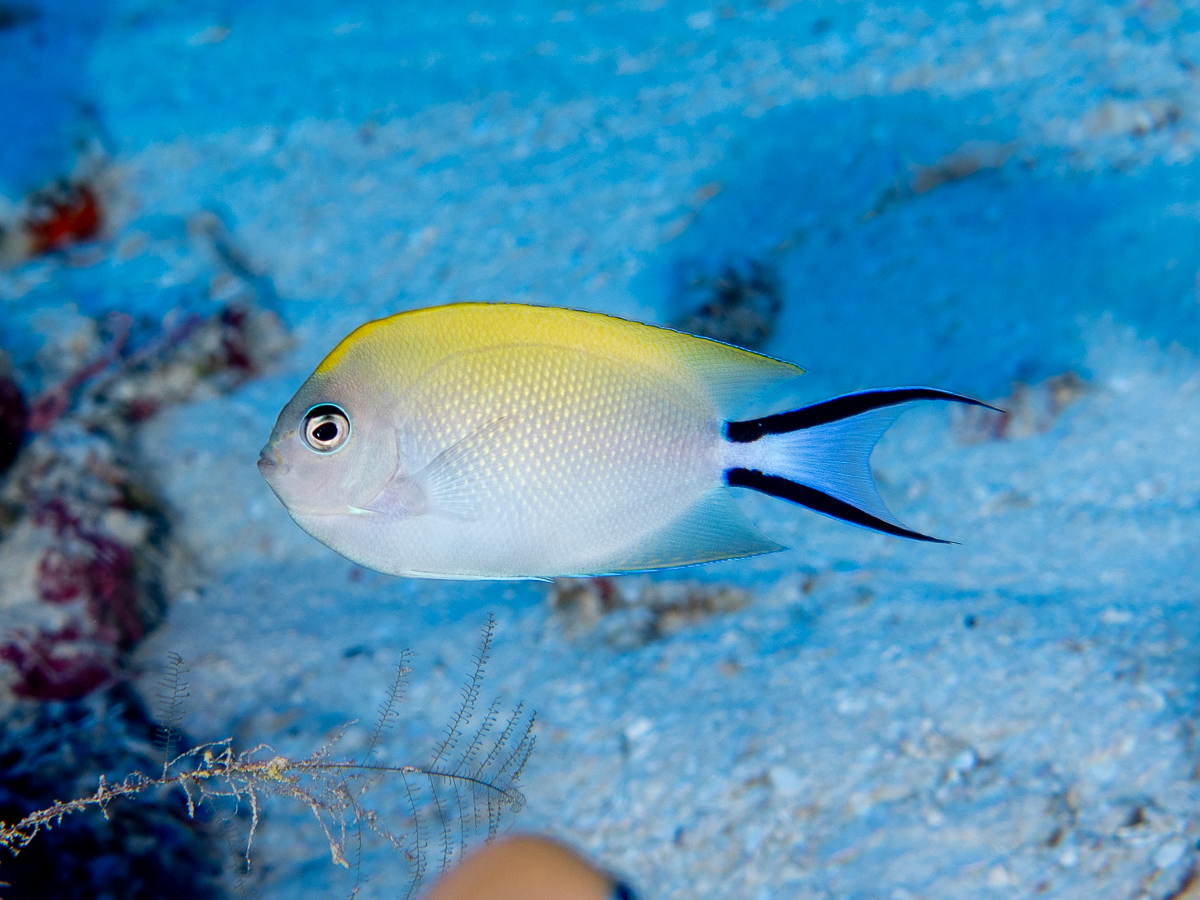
[60, 665]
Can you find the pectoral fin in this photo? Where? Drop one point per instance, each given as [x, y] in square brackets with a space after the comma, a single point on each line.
[401, 497]
[451, 483]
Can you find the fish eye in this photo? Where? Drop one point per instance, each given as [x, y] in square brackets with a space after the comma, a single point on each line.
[326, 428]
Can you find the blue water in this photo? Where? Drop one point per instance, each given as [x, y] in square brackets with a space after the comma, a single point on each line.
[977, 283]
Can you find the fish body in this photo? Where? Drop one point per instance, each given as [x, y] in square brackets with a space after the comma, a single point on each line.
[510, 441]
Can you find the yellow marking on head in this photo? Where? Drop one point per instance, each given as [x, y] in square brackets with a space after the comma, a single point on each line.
[370, 329]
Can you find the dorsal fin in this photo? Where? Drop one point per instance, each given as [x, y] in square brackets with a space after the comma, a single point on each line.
[738, 378]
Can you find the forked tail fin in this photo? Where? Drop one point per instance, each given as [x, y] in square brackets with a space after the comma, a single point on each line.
[819, 455]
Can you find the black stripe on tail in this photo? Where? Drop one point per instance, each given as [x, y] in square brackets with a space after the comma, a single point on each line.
[824, 413]
[838, 408]
[818, 501]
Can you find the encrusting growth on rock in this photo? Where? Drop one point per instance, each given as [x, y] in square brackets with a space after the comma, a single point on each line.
[470, 784]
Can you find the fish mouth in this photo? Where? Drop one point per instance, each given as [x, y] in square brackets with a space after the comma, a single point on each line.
[269, 462]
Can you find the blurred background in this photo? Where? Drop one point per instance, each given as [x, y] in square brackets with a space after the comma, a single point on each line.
[198, 200]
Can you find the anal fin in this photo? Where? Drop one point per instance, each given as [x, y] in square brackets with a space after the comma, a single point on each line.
[713, 529]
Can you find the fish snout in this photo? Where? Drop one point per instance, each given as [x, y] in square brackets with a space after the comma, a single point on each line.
[269, 461]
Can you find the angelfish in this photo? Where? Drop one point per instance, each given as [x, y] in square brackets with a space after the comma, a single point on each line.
[499, 440]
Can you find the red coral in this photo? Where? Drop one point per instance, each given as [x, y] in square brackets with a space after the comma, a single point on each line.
[234, 342]
[142, 408]
[55, 514]
[610, 595]
[61, 215]
[50, 406]
[56, 665]
[113, 596]
[60, 576]
[92, 567]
